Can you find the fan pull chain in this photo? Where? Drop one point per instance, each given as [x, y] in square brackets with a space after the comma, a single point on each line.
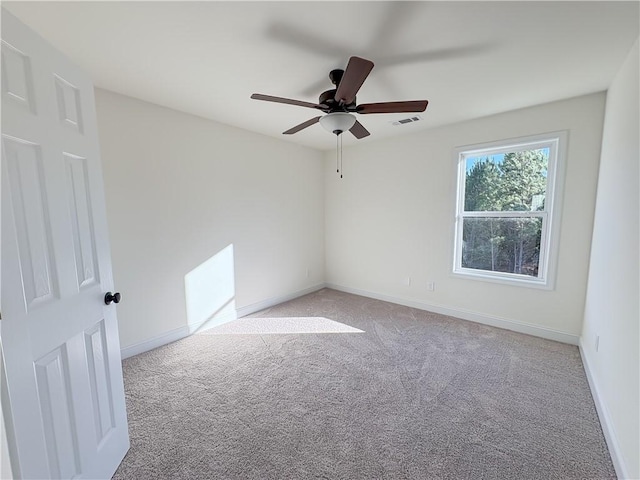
[337, 154]
[341, 165]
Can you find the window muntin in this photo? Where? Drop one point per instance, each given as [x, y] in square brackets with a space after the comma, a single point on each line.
[504, 211]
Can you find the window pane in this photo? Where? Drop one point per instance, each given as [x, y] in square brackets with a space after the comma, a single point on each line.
[509, 245]
[506, 181]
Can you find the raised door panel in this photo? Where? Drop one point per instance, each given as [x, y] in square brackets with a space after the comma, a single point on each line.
[52, 376]
[17, 81]
[69, 104]
[30, 213]
[82, 229]
[99, 375]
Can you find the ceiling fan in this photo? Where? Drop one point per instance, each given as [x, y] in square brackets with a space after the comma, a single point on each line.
[339, 104]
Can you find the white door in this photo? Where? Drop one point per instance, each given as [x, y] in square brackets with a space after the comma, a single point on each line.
[60, 341]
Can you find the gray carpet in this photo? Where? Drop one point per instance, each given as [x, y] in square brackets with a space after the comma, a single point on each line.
[415, 395]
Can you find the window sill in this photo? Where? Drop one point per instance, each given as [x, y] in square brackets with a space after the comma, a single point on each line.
[504, 279]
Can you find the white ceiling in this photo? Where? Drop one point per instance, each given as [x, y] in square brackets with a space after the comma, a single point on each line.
[469, 59]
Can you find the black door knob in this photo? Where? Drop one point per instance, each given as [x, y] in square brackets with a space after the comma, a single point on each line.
[112, 297]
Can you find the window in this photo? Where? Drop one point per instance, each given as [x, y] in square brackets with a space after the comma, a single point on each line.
[508, 210]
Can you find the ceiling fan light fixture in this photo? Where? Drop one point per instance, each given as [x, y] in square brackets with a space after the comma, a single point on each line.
[337, 122]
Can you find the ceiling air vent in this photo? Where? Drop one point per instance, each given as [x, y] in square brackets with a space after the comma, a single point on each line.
[407, 120]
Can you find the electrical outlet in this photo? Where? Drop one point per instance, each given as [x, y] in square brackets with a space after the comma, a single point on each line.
[597, 342]
[431, 286]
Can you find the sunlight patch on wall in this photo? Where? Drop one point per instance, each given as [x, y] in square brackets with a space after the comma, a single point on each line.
[281, 325]
[210, 292]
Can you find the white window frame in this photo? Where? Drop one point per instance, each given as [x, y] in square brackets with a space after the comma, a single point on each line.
[549, 241]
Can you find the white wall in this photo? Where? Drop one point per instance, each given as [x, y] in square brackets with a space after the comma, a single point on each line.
[179, 190]
[612, 311]
[392, 217]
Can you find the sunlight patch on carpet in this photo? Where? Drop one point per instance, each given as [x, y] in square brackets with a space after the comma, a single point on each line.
[281, 325]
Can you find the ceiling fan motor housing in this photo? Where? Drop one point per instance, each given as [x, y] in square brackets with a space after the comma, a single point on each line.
[328, 98]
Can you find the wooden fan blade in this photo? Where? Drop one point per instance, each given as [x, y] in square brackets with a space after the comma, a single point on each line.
[393, 107]
[359, 131]
[302, 126]
[356, 73]
[288, 101]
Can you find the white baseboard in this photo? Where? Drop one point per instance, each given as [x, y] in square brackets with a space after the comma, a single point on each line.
[605, 418]
[270, 302]
[520, 327]
[185, 331]
[155, 342]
